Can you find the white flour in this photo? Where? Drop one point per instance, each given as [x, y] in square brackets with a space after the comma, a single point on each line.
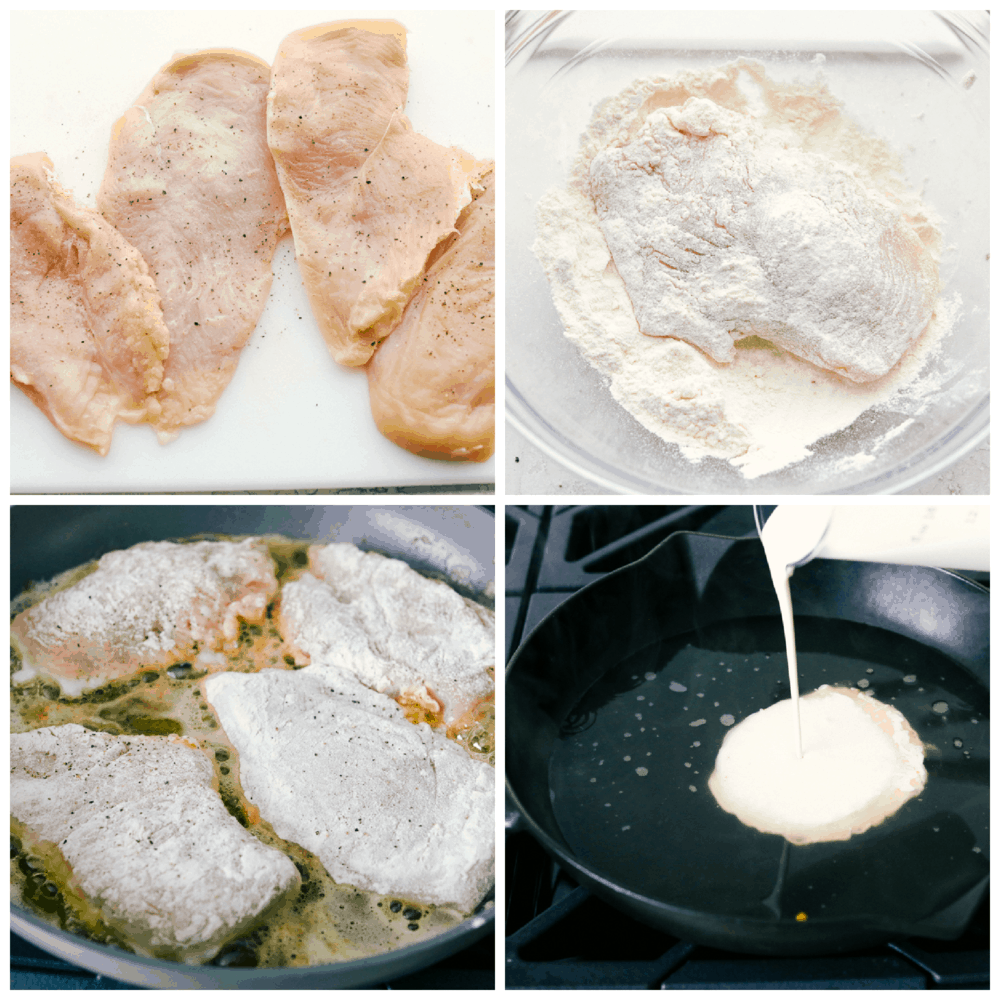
[738, 210]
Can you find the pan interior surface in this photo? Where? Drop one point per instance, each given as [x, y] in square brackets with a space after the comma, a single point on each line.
[628, 777]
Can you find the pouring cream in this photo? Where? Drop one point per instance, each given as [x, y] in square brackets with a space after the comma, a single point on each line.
[853, 760]
[790, 537]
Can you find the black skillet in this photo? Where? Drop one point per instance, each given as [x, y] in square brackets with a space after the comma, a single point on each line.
[607, 759]
[453, 543]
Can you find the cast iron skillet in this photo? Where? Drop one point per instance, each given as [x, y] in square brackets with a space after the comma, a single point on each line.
[454, 543]
[617, 703]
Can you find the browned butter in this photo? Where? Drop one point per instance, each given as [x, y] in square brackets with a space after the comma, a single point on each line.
[324, 922]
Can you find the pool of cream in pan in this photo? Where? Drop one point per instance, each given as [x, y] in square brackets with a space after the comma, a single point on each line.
[325, 922]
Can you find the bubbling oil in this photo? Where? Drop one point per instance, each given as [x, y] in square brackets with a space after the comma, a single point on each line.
[325, 921]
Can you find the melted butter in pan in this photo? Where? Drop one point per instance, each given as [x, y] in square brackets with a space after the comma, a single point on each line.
[325, 922]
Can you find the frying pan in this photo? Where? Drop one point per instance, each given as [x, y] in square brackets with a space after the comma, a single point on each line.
[618, 702]
[452, 543]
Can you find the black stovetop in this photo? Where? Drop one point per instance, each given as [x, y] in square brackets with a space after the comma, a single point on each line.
[559, 935]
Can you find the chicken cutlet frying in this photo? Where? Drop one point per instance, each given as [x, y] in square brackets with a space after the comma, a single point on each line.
[407, 811]
[431, 384]
[87, 335]
[368, 198]
[146, 837]
[150, 605]
[191, 183]
[378, 620]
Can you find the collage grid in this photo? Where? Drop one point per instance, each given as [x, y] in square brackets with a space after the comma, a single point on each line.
[639, 640]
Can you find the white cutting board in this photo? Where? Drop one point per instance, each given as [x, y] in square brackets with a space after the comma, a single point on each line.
[291, 418]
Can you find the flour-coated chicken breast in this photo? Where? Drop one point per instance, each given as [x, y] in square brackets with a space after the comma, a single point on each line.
[191, 183]
[87, 336]
[368, 198]
[140, 821]
[431, 384]
[150, 605]
[386, 805]
[397, 632]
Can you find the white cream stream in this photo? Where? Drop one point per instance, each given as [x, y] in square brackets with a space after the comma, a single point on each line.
[914, 535]
[790, 537]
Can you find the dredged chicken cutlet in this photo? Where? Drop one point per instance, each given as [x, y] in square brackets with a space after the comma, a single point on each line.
[150, 605]
[147, 837]
[406, 812]
[395, 631]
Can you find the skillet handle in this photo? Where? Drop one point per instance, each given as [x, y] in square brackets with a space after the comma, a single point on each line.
[513, 820]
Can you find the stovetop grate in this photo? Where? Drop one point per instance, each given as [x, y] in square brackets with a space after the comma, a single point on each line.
[559, 935]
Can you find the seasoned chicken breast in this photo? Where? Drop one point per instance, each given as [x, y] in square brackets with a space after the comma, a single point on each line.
[368, 198]
[150, 605]
[87, 336]
[147, 836]
[191, 183]
[431, 384]
[386, 805]
[378, 620]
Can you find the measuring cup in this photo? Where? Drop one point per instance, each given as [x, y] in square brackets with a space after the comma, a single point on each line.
[953, 536]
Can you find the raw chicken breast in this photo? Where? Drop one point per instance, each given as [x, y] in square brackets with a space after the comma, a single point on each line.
[378, 620]
[368, 198]
[148, 838]
[191, 183]
[431, 383]
[386, 805]
[87, 337]
[150, 605]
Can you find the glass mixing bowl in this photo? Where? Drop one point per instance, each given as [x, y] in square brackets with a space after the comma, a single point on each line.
[916, 79]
